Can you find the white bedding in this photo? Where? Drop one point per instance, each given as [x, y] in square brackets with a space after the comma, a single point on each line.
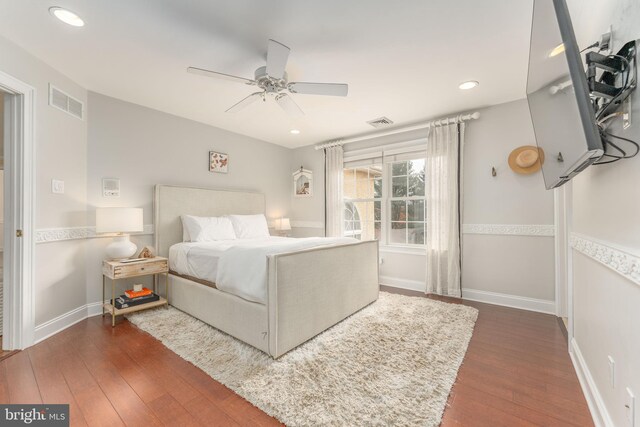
[239, 267]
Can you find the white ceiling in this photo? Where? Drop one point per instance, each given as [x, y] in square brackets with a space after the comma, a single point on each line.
[401, 59]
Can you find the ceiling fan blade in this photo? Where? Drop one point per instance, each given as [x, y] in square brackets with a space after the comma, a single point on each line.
[288, 104]
[277, 56]
[245, 102]
[331, 89]
[208, 73]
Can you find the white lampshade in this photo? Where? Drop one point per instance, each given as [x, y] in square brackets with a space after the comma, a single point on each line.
[283, 224]
[119, 220]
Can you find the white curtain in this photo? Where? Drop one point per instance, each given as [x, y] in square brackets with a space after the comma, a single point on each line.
[444, 209]
[334, 210]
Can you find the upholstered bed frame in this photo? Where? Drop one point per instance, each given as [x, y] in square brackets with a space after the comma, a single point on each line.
[308, 291]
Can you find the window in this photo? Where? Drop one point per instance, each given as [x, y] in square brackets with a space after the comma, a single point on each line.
[363, 202]
[386, 201]
[407, 202]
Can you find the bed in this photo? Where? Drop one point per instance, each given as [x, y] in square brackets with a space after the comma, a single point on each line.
[306, 290]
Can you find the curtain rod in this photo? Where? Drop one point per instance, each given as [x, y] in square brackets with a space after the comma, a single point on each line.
[426, 125]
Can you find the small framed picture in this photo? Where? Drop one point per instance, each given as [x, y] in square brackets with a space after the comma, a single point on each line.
[303, 183]
[218, 162]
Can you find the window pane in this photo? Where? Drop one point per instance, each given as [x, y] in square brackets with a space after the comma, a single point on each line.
[377, 210]
[377, 230]
[398, 168]
[399, 186]
[398, 210]
[398, 232]
[377, 187]
[364, 187]
[349, 184]
[416, 166]
[416, 233]
[365, 209]
[416, 178]
[415, 210]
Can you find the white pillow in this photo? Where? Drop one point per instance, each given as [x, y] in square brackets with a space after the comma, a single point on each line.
[250, 226]
[207, 229]
[185, 230]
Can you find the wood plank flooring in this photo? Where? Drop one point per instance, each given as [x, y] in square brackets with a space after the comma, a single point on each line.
[516, 372]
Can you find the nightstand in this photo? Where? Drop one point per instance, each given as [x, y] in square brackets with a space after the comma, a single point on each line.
[116, 270]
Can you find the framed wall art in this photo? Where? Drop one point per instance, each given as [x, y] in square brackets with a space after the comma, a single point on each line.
[218, 162]
[303, 183]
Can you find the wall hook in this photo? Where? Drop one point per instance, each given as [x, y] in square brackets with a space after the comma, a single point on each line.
[493, 171]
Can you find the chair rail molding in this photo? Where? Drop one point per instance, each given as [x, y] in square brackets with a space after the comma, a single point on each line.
[48, 235]
[617, 259]
[535, 230]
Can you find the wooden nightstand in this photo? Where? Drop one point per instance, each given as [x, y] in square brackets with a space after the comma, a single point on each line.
[116, 270]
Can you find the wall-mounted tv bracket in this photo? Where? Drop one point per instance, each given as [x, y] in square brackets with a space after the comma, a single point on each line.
[617, 78]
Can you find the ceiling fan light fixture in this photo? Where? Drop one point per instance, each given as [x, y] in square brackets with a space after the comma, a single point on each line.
[66, 16]
[468, 85]
[294, 132]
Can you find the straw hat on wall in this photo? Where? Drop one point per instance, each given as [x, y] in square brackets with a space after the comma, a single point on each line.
[526, 159]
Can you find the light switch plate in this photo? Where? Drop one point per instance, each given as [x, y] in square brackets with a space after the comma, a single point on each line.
[57, 186]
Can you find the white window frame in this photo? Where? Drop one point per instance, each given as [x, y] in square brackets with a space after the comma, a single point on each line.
[389, 154]
[387, 176]
[355, 201]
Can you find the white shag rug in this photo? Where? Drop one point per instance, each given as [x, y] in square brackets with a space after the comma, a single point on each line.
[392, 363]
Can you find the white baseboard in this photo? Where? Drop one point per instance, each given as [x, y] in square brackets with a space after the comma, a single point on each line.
[599, 413]
[524, 303]
[412, 285]
[62, 322]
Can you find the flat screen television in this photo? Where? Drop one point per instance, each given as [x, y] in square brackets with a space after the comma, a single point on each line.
[558, 95]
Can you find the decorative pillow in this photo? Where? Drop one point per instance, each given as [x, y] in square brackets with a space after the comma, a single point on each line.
[208, 229]
[250, 226]
[185, 230]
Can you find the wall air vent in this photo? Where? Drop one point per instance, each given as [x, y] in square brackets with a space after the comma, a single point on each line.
[380, 122]
[66, 103]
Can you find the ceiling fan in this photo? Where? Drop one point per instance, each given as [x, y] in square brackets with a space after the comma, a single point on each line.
[272, 80]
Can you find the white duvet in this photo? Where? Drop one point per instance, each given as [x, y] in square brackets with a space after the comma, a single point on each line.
[239, 267]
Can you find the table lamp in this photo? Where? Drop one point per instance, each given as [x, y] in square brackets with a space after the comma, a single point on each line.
[283, 225]
[120, 221]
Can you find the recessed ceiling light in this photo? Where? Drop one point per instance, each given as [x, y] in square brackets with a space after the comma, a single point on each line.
[557, 50]
[468, 85]
[294, 131]
[66, 16]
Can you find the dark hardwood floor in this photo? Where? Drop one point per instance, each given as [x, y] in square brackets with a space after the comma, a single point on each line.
[516, 373]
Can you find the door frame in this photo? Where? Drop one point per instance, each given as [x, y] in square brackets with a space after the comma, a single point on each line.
[563, 213]
[19, 192]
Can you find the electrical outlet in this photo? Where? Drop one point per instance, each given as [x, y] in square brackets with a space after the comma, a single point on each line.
[629, 407]
[57, 186]
[612, 371]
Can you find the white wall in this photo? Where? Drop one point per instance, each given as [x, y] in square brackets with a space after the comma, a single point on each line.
[144, 147]
[60, 154]
[606, 206]
[507, 264]
[492, 263]
[307, 213]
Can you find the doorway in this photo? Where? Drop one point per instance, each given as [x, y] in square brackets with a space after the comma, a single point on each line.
[17, 213]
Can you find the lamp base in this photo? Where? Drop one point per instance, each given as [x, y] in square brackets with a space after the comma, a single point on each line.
[121, 248]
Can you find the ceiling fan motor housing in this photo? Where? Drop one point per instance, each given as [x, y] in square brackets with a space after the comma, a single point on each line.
[268, 83]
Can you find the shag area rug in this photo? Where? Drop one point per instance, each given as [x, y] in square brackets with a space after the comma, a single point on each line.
[392, 363]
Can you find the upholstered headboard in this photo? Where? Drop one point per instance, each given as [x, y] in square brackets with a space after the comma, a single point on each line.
[172, 201]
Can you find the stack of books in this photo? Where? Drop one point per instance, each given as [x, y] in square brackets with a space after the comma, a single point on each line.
[132, 298]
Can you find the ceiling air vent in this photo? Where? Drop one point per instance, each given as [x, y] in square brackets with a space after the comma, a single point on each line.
[380, 122]
[66, 103]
